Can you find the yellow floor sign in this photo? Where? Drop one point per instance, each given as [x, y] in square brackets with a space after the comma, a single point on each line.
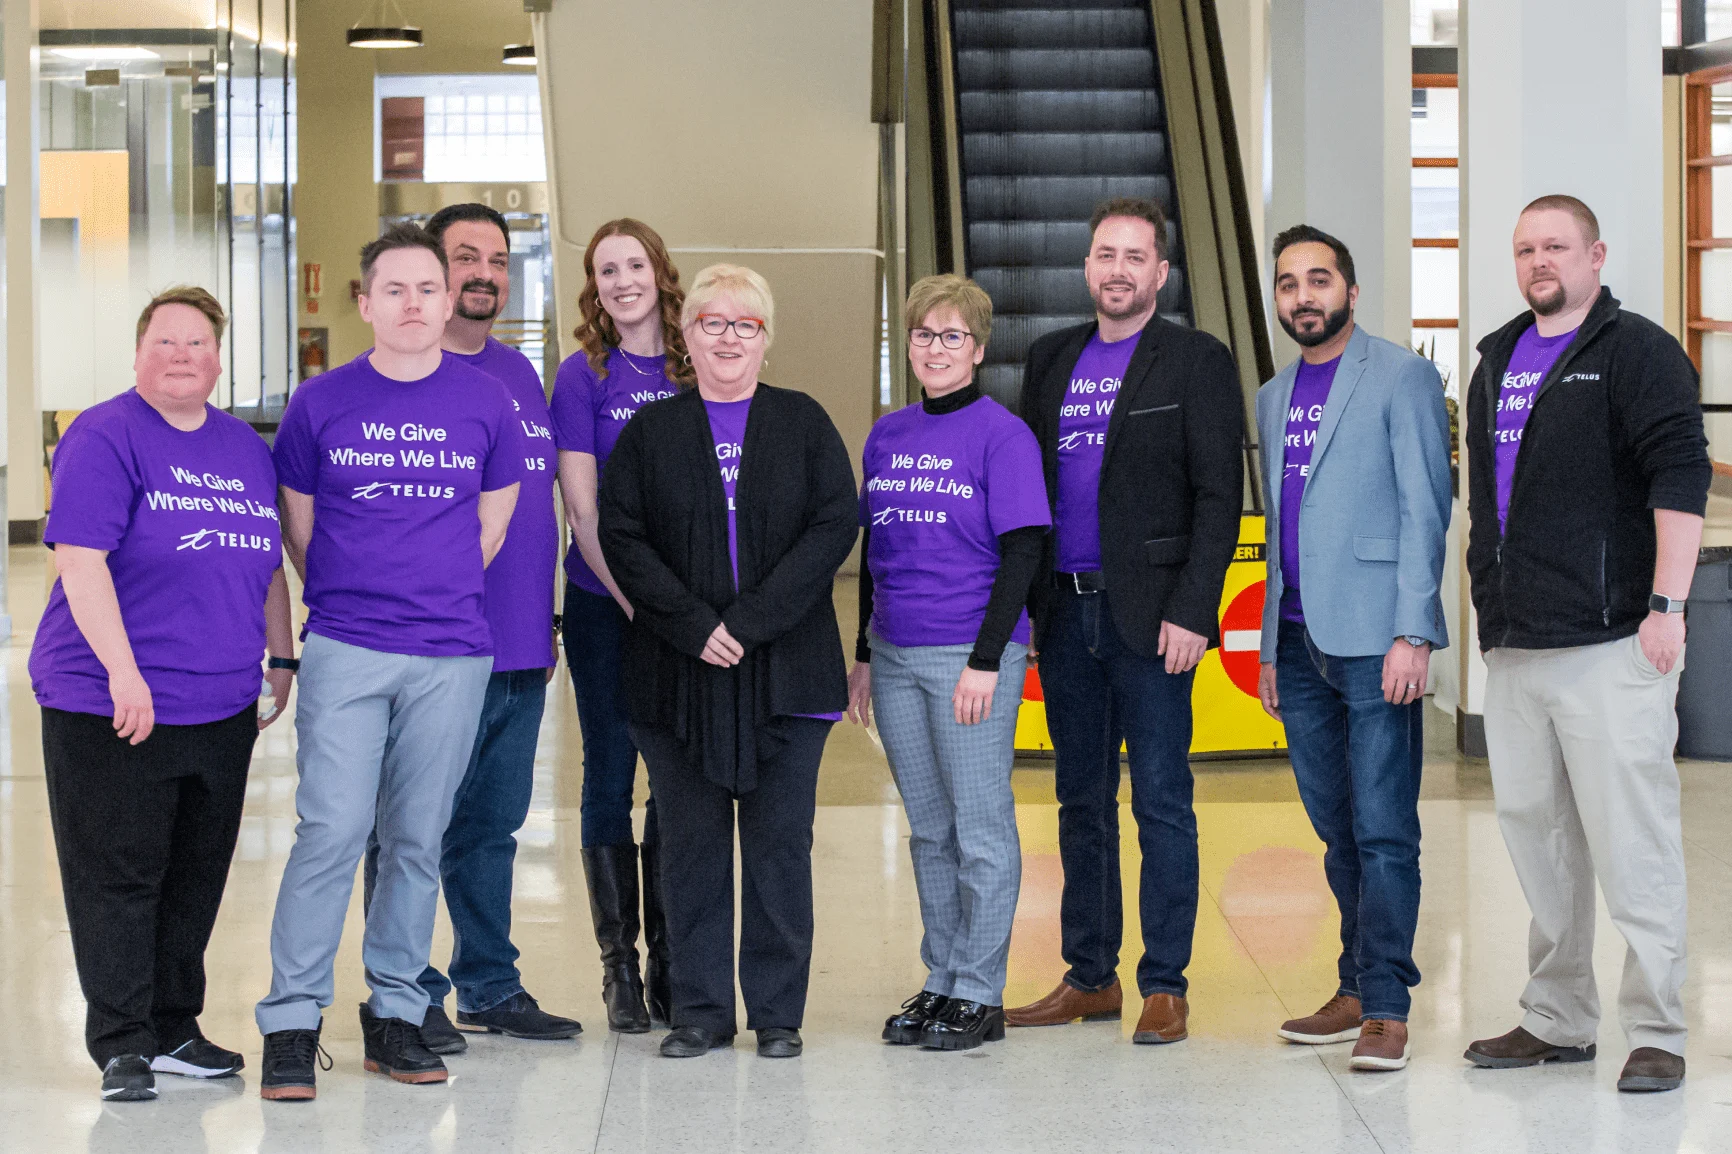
[1226, 716]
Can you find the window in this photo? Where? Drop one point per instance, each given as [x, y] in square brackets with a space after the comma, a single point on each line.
[474, 128]
[1708, 252]
[1437, 223]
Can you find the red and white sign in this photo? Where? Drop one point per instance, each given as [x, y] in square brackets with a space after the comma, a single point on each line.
[1242, 637]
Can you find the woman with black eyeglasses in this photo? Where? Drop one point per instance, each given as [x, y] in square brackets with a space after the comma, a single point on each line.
[955, 506]
[725, 513]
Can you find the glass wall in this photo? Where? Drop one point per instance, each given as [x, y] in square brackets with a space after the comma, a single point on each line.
[168, 158]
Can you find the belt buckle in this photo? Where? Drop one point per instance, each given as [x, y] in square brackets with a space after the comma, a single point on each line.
[1076, 580]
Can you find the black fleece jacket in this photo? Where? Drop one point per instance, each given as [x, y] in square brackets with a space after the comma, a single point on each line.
[1615, 432]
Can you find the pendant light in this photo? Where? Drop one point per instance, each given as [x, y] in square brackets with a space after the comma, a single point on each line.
[520, 54]
[387, 30]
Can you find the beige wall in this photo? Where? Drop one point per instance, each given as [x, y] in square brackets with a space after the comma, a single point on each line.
[751, 142]
[1245, 45]
[337, 202]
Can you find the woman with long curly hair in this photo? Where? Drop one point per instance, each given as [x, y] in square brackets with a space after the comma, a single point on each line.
[633, 353]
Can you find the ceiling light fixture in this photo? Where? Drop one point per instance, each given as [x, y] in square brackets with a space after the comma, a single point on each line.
[387, 30]
[520, 54]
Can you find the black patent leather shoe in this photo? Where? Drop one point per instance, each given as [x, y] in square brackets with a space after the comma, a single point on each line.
[963, 1026]
[903, 1028]
[693, 1042]
[779, 1042]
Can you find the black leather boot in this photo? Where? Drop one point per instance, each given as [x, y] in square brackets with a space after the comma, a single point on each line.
[611, 871]
[658, 991]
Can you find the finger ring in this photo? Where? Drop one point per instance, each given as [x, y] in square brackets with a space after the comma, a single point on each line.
[1412, 685]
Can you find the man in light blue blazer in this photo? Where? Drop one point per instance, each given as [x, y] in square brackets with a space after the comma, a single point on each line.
[1355, 444]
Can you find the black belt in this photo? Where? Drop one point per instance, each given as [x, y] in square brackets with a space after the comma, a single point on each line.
[1091, 582]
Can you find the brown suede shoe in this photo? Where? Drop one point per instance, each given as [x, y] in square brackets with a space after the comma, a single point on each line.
[1382, 1046]
[1337, 1021]
[1066, 1004]
[1163, 1020]
[1651, 1068]
[1519, 1048]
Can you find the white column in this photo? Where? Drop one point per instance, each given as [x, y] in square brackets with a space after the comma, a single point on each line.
[23, 413]
[1341, 76]
[1557, 96]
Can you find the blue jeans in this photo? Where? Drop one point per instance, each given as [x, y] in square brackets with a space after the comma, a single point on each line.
[1101, 695]
[594, 630]
[1357, 759]
[480, 846]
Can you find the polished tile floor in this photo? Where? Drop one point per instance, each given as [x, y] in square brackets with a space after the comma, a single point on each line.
[1265, 950]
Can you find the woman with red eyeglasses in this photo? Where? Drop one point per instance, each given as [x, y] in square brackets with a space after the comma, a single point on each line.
[725, 512]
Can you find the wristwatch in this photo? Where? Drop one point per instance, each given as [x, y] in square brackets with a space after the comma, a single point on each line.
[290, 663]
[1417, 642]
[1660, 603]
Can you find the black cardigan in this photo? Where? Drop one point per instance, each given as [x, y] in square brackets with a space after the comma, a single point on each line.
[664, 532]
[1172, 476]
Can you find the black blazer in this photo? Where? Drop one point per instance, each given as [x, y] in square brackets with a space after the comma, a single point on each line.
[1172, 476]
[664, 532]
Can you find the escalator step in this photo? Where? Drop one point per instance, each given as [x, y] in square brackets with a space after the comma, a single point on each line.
[1048, 111]
[1043, 198]
[1053, 28]
[1054, 243]
[1013, 333]
[1092, 69]
[1063, 153]
[1059, 290]
[957, 6]
[1003, 383]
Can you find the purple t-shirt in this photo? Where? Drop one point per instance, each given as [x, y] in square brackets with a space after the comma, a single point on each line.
[1304, 412]
[189, 522]
[1532, 359]
[939, 491]
[1082, 439]
[396, 470]
[520, 580]
[588, 414]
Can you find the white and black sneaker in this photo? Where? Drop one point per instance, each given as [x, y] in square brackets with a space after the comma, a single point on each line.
[198, 1058]
[127, 1078]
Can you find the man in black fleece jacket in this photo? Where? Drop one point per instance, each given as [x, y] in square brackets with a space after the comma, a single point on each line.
[1587, 481]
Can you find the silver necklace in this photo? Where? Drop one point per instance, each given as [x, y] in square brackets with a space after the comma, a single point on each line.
[626, 357]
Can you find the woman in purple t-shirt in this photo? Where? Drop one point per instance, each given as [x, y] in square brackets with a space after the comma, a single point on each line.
[725, 513]
[633, 353]
[956, 511]
[147, 668]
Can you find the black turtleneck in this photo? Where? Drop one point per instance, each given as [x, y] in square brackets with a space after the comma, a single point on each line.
[1018, 559]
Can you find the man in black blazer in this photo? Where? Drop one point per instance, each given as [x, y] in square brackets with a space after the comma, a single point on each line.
[1141, 427]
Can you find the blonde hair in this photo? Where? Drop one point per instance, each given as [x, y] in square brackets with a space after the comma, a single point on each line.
[749, 290]
[182, 294]
[948, 290]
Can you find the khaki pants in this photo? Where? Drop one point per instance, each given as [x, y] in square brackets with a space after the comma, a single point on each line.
[1581, 761]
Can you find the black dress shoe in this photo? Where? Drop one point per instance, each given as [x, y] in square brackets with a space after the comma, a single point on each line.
[903, 1028]
[963, 1026]
[779, 1042]
[439, 1035]
[393, 1047]
[519, 1017]
[693, 1041]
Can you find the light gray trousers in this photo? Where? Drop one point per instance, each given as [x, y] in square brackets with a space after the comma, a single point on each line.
[955, 785]
[1581, 762]
[383, 740]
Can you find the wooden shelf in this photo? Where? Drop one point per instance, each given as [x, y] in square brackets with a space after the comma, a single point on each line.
[1436, 242]
[1440, 162]
[1436, 323]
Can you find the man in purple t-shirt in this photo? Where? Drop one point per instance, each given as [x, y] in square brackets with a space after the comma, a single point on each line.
[1141, 427]
[492, 801]
[1355, 440]
[1588, 477]
[399, 472]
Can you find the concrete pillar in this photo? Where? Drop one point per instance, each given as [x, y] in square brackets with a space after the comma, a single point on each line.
[1340, 117]
[1556, 96]
[22, 444]
[1245, 45]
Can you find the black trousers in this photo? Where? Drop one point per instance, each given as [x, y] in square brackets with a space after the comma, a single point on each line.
[145, 834]
[695, 836]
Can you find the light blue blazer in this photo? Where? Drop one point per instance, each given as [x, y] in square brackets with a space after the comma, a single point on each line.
[1376, 507]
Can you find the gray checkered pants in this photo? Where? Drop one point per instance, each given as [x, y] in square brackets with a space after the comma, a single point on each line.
[955, 784]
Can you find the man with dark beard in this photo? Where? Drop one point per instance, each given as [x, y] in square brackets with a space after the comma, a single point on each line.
[1355, 442]
[1141, 428]
[480, 845]
[1588, 477]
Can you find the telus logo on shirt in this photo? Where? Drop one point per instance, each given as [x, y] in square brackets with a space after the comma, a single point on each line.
[373, 490]
[1079, 439]
[205, 538]
[893, 515]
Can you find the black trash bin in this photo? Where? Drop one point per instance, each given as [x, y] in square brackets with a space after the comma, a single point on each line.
[1705, 687]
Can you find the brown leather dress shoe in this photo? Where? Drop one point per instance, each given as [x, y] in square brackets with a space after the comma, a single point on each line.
[1163, 1020]
[1519, 1048]
[1337, 1021]
[1066, 1004]
[1651, 1068]
[1382, 1046]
